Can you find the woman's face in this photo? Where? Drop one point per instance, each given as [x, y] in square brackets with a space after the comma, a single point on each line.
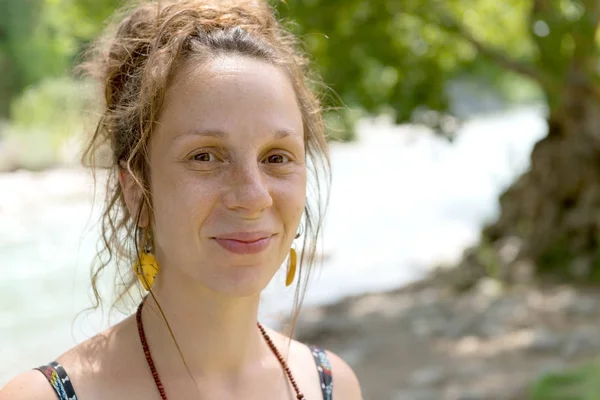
[228, 175]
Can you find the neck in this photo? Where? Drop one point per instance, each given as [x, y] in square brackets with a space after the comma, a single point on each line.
[216, 334]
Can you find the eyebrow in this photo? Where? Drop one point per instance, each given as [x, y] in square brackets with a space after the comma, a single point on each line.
[278, 134]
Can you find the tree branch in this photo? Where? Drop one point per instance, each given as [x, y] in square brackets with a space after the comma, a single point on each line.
[452, 25]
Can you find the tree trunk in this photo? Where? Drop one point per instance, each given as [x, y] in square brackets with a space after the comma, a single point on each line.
[554, 208]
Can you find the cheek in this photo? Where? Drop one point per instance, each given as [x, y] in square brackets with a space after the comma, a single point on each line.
[291, 196]
[180, 202]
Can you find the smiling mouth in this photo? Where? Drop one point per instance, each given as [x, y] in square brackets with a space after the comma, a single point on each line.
[245, 243]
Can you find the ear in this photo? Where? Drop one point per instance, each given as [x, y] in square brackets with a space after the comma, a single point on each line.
[132, 194]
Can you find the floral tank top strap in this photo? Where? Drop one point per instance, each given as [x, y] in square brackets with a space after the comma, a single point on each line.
[59, 380]
[324, 369]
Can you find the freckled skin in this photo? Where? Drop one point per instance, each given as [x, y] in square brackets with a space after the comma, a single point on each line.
[227, 155]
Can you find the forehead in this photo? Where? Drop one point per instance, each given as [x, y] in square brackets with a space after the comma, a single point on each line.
[231, 93]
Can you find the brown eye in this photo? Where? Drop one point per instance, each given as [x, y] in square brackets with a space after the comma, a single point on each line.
[277, 159]
[204, 157]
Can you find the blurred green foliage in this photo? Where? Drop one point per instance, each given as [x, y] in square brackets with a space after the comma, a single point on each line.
[52, 133]
[580, 383]
[41, 39]
[398, 57]
[378, 56]
[401, 56]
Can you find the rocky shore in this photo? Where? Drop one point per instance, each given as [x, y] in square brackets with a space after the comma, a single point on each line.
[429, 341]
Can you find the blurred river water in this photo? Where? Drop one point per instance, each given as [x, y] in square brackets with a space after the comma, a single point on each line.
[402, 200]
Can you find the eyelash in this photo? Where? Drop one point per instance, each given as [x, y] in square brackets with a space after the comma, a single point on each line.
[286, 157]
[193, 157]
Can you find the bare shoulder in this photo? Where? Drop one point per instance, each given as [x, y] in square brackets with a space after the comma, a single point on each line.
[78, 362]
[30, 385]
[88, 365]
[99, 367]
[345, 382]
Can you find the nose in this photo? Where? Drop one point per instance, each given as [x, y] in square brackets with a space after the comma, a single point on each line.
[248, 191]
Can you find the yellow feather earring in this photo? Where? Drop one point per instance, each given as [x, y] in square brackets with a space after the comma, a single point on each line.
[146, 267]
[292, 261]
[291, 271]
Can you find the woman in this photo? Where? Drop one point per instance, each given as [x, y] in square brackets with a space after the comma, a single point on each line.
[213, 131]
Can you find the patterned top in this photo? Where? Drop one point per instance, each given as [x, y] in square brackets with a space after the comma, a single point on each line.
[60, 382]
[58, 378]
[324, 368]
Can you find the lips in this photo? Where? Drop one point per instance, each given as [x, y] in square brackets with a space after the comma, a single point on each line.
[245, 242]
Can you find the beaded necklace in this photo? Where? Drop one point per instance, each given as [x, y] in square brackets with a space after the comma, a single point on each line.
[157, 381]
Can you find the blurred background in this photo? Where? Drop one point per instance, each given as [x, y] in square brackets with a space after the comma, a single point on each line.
[460, 253]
